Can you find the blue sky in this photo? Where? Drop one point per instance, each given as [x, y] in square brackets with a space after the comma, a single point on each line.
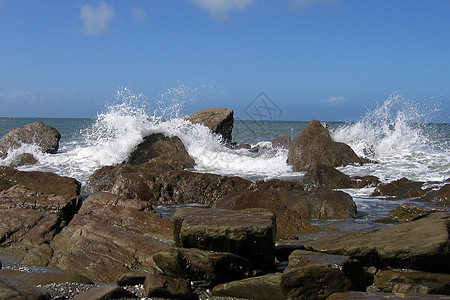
[315, 59]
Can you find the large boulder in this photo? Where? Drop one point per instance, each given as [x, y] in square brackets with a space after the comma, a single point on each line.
[111, 236]
[420, 245]
[160, 148]
[247, 233]
[160, 184]
[218, 120]
[39, 134]
[314, 146]
[201, 265]
[34, 206]
[402, 188]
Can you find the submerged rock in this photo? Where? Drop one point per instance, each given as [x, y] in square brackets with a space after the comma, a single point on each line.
[247, 233]
[218, 120]
[313, 147]
[45, 137]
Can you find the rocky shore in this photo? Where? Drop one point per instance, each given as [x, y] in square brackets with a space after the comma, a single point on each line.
[236, 239]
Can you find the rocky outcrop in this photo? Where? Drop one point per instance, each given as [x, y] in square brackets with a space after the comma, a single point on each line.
[196, 264]
[45, 137]
[313, 147]
[111, 236]
[218, 120]
[34, 206]
[161, 184]
[407, 212]
[402, 188]
[247, 233]
[441, 196]
[421, 245]
[159, 148]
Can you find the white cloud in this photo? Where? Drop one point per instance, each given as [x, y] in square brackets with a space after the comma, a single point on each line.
[139, 15]
[303, 4]
[219, 9]
[96, 20]
[335, 100]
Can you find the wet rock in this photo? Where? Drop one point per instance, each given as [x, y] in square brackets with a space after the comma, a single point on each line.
[423, 288]
[281, 142]
[196, 264]
[402, 188]
[313, 147]
[34, 206]
[167, 287]
[105, 293]
[266, 287]
[247, 233]
[352, 268]
[161, 184]
[362, 296]
[218, 120]
[159, 148]
[387, 279]
[326, 177]
[314, 282]
[441, 196]
[420, 245]
[23, 159]
[407, 213]
[325, 205]
[11, 288]
[39, 134]
[45, 278]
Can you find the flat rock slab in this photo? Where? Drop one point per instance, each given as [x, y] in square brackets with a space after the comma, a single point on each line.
[35, 279]
[11, 288]
[247, 233]
[266, 287]
[105, 293]
[380, 296]
[421, 245]
[386, 280]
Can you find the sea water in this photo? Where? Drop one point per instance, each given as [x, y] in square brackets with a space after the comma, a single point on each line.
[395, 135]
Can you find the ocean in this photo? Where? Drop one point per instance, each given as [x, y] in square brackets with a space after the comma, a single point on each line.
[395, 135]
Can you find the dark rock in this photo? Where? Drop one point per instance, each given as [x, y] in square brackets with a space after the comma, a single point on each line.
[195, 264]
[24, 159]
[105, 293]
[402, 188]
[407, 213]
[131, 279]
[387, 279]
[352, 268]
[266, 287]
[159, 148]
[313, 147]
[365, 181]
[37, 133]
[11, 288]
[380, 296]
[325, 205]
[45, 278]
[111, 236]
[167, 287]
[442, 288]
[218, 120]
[314, 282]
[160, 184]
[441, 196]
[420, 245]
[247, 233]
[281, 142]
[283, 251]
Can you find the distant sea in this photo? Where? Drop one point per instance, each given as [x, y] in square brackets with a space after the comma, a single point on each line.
[401, 143]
